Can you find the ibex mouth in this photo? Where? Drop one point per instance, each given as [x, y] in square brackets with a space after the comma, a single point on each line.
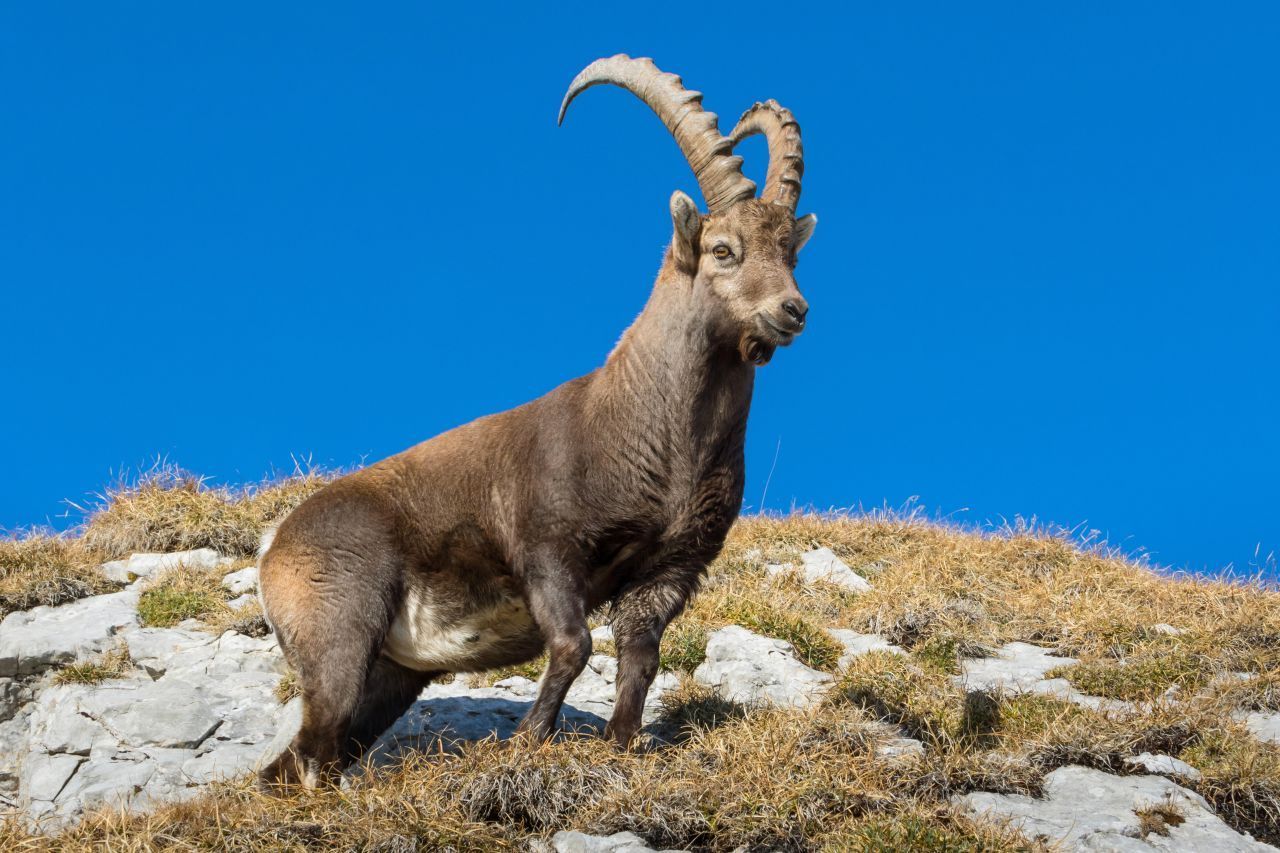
[775, 334]
[757, 345]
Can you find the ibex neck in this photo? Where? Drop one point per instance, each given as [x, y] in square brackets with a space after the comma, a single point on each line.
[671, 373]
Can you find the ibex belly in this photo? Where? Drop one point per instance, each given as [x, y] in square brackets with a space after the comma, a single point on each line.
[432, 635]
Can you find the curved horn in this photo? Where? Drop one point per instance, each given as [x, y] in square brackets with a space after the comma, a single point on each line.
[786, 154]
[718, 170]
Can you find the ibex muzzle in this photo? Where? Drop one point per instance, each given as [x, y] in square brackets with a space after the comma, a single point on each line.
[485, 545]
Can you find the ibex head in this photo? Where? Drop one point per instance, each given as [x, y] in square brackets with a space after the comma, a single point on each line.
[742, 253]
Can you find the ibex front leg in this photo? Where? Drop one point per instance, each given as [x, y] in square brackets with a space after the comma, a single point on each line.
[558, 605]
[640, 615]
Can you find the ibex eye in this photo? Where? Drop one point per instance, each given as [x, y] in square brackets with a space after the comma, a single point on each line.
[721, 252]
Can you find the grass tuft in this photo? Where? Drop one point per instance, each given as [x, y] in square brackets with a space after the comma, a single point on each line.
[1145, 675]
[684, 647]
[247, 619]
[42, 569]
[1241, 778]
[692, 707]
[168, 509]
[180, 594]
[813, 645]
[1156, 819]
[1259, 693]
[890, 687]
[116, 663]
[287, 687]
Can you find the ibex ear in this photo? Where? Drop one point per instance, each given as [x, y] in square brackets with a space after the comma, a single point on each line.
[804, 229]
[687, 222]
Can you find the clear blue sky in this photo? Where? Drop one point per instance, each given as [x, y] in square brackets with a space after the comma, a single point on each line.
[1046, 279]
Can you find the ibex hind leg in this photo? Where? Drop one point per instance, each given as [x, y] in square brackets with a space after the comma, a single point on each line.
[389, 691]
[332, 620]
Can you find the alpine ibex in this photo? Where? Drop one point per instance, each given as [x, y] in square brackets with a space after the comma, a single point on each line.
[487, 544]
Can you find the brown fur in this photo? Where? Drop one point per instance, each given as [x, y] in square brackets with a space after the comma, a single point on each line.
[504, 534]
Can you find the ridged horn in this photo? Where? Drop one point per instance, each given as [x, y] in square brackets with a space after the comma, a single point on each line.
[717, 168]
[786, 153]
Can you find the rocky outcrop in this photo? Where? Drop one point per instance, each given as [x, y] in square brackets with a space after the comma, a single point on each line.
[1264, 726]
[149, 565]
[823, 566]
[753, 670]
[577, 842]
[242, 582]
[35, 640]
[1022, 668]
[1165, 765]
[856, 644]
[196, 707]
[1084, 809]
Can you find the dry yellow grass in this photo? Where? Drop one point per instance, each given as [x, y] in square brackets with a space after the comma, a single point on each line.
[37, 568]
[986, 589]
[115, 663]
[180, 594]
[169, 509]
[166, 509]
[287, 687]
[773, 779]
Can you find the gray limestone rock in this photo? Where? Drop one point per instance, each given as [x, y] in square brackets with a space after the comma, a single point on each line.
[1165, 765]
[1085, 809]
[148, 565]
[754, 670]
[1264, 726]
[899, 746]
[15, 737]
[823, 566]
[1021, 668]
[619, 842]
[288, 723]
[13, 695]
[157, 650]
[44, 776]
[226, 760]
[58, 726]
[44, 637]
[241, 582]
[860, 644]
[169, 712]
[112, 783]
[1014, 668]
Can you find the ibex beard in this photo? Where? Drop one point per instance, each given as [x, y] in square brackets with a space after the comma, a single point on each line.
[494, 541]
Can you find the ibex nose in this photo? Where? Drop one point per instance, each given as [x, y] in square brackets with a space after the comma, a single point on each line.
[796, 309]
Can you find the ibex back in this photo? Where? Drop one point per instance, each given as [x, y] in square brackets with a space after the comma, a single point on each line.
[495, 540]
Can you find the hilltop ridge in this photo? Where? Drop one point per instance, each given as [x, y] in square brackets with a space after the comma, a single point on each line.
[875, 681]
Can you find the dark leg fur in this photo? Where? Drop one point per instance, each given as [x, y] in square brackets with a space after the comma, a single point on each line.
[556, 602]
[389, 691]
[640, 615]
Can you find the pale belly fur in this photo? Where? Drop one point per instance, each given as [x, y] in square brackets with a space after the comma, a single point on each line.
[429, 638]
